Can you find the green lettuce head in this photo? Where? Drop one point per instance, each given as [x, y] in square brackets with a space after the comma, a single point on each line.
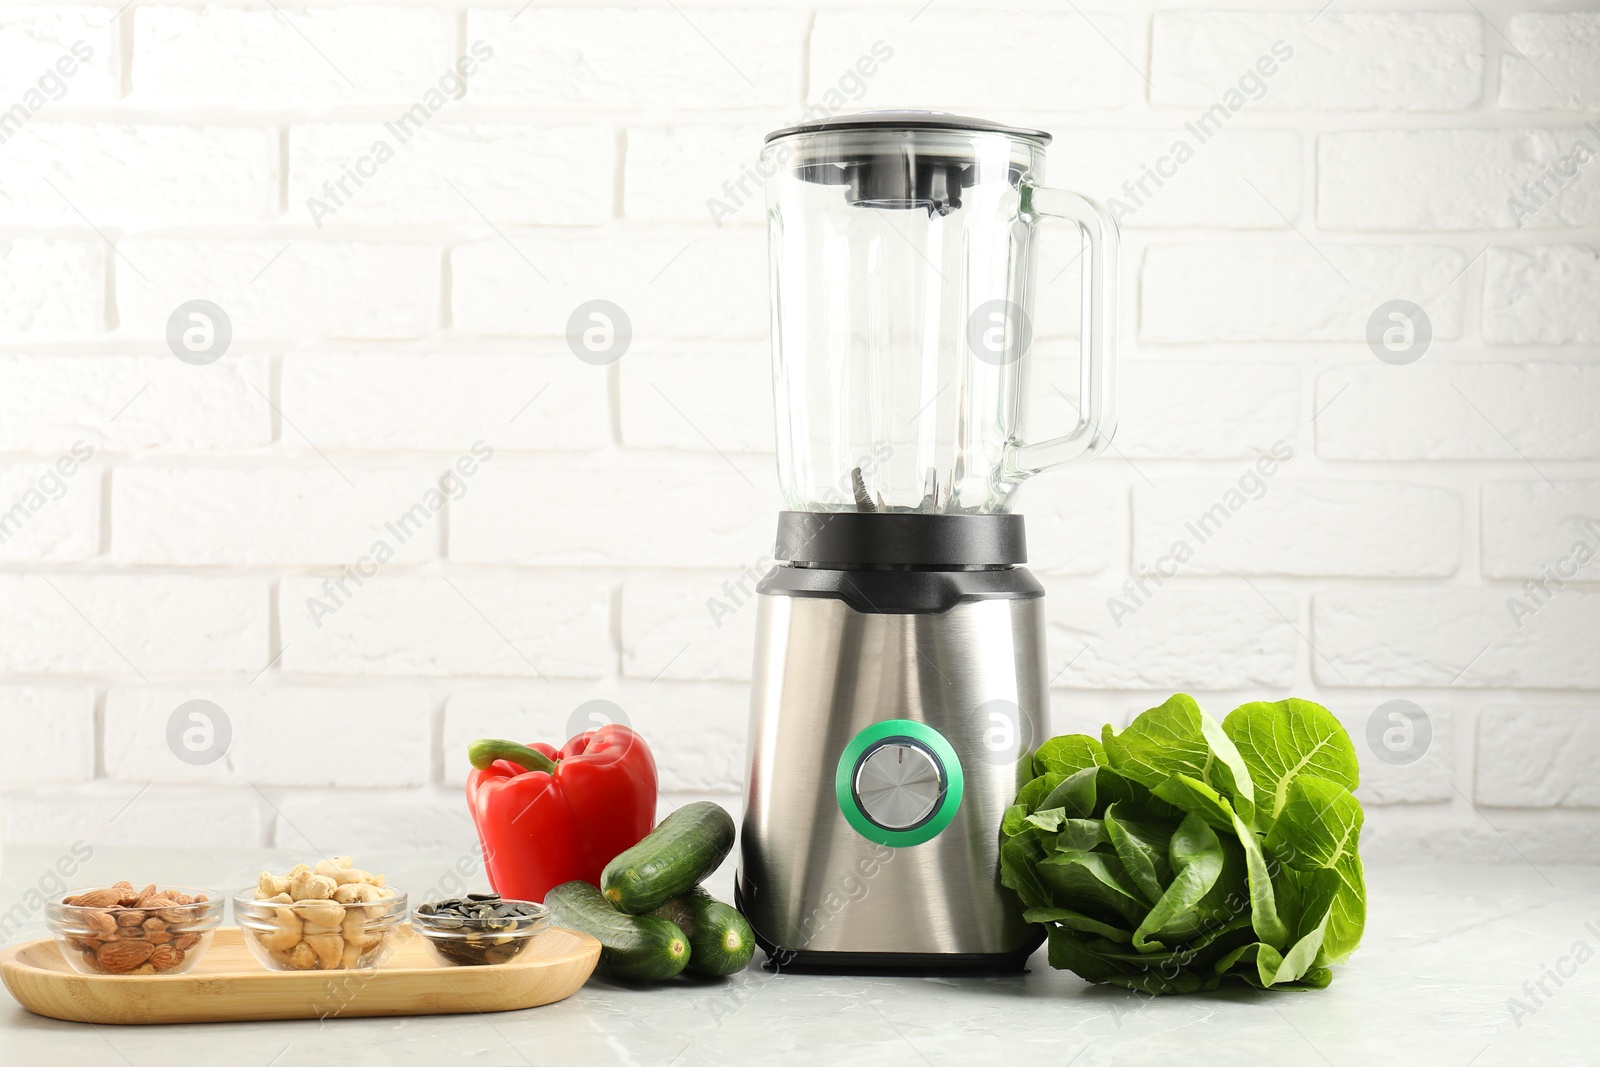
[1180, 852]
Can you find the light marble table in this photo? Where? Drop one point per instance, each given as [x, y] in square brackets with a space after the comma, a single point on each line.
[1445, 948]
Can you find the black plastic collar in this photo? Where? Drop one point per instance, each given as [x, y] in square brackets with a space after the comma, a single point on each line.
[900, 539]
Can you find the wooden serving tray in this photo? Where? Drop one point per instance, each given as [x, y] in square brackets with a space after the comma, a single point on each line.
[228, 985]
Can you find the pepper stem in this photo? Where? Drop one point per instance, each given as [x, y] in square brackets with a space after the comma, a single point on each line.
[484, 752]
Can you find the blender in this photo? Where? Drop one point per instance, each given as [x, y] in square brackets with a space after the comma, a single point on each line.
[900, 686]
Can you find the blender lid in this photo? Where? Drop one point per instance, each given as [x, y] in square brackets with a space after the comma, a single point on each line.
[899, 163]
[890, 121]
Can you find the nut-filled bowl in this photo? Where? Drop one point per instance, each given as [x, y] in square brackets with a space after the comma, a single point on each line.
[320, 935]
[479, 929]
[124, 930]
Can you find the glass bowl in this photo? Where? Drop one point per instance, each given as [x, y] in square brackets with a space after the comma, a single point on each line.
[123, 930]
[319, 935]
[474, 942]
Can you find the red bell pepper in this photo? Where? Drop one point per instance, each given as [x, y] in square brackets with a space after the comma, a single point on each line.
[546, 817]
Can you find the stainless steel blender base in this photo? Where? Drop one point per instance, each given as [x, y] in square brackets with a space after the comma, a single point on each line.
[884, 750]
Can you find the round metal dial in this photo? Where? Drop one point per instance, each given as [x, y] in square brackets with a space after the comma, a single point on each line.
[899, 784]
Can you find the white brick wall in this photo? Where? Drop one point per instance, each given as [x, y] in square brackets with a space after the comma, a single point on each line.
[1291, 291]
[1355, 61]
[399, 354]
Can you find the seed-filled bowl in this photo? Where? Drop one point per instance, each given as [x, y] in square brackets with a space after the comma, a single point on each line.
[121, 929]
[480, 928]
[319, 935]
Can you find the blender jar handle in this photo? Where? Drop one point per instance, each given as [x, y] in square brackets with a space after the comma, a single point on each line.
[1097, 418]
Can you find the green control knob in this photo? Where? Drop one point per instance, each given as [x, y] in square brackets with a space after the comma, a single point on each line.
[898, 783]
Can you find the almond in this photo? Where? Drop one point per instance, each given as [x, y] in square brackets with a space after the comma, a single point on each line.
[120, 957]
[165, 957]
[101, 922]
[153, 925]
[144, 895]
[99, 898]
[159, 937]
[184, 942]
[130, 917]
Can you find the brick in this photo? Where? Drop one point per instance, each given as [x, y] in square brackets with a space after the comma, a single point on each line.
[696, 172]
[478, 624]
[139, 175]
[51, 735]
[1531, 757]
[706, 402]
[290, 57]
[1189, 639]
[699, 628]
[1290, 292]
[123, 624]
[1455, 180]
[700, 514]
[1261, 523]
[1468, 638]
[134, 817]
[35, 38]
[279, 737]
[1542, 295]
[513, 174]
[528, 284]
[1429, 779]
[1553, 63]
[50, 512]
[311, 514]
[1531, 528]
[598, 57]
[1073, 524]
[1432, 411]
[420, 821]
[371, 401]
[281, 288]
[1358, 61]
[125, 403]
[1185, 181]
[51, 289]
[696, 731]
[1174, 409]
[1508, 839]
[956, 60]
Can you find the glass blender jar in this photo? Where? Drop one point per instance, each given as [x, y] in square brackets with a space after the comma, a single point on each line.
[903, 275]
[900, 686]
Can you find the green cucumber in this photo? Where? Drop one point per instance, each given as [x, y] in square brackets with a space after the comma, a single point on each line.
[676, 856]
[720, 941]
[633, 947]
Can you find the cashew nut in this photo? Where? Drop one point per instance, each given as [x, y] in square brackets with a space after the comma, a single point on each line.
[308, 886]
[356, 893]
[328, 947]
[285, 933]
[319, 914]
[270, 885]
